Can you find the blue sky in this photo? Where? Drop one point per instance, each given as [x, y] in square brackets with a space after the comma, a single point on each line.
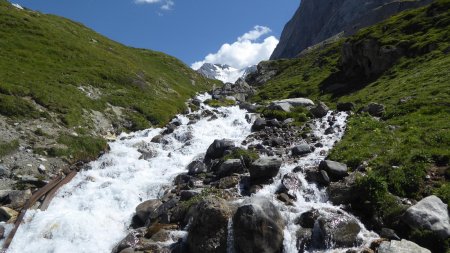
[186, 29]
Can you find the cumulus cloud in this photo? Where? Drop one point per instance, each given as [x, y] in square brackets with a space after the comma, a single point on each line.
[165, 4]
[249, 49]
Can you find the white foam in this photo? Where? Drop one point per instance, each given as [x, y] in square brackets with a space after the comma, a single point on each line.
[93, 211]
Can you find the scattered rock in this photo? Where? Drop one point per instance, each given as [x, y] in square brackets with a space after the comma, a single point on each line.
[290, 183]
[402, 246]
[335, 170]
[339, 230]
[264, 169]
[320, 110]
[258, 227]
[209, 228]
[188, 194]
[229, 167]
[228, 182]
[157, 139]
[344, 192]
[301, 149]
[429, 214]
[376, 110]
[259, 125]
[217, 148]
[146, 208]
[7, 214]
[196, 167]
[345, 107]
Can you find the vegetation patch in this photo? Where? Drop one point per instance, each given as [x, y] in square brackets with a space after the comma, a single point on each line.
[7, 148]
[219, 103]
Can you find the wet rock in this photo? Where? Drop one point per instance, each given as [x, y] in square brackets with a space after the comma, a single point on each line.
[130, 241]
[345, 107]
[249, 107]
[429, 214]
[7, 214]
[335, 170]
[285, 198]
[276, 142]
[290, 183]
[169, 129]
[196, 167]
[258, 228]
[389, 234]
[259, 125]
[209, 228]
[320, 110]
[329, 131]
[163, 213]
[217, 148]
[146, 153]
[340, 230]
[307, 219]
[157, 139]
[304, 239]
[146, 208]
[182, 179]
[402, 246]
[229, 167]
[301, 149]
[264, 169]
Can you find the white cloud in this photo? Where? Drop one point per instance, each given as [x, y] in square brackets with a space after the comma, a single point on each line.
[165, 4]
[246, 51]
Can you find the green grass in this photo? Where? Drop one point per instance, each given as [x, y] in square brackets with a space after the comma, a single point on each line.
[219, 103]
[46, 58]
[7, 148]
[414, 134]
[79, 148]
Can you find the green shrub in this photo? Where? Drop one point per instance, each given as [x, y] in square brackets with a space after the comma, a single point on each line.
[248, 156]
[219, 103]
[8, 147]
[81, 147]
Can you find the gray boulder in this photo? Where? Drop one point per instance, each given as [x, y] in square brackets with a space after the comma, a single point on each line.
[218, 147]
[259, 125]
[338, 230]
[258, 227]
[290, 183]
[287, 104]
[229, 167]
[209, 228]
[301, 149]
[144, 210]
[376, 110]
[196, 167]
[320, 110]
[264, 168]
[402, 246]
[429, 214]
[335, 170]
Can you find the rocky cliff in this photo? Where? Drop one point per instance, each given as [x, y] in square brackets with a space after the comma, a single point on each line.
[318, 20]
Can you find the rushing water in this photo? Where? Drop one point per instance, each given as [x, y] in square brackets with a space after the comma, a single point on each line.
[92, 212]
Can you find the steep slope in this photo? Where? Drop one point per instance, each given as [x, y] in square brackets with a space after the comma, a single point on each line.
[63, 87]
[403, 64]
[318, 20]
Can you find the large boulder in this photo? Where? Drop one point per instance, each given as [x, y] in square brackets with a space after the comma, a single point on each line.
[429, 214]
[335, 170]
[258, 228]
[374, 109]
[259, 124]
[146, 208]
[287, 104]
[209, 227]
[338, 230]
[196, 167]
[402, 246]
[218, 147]
[264, 169]
[301, 149]
[344, 191]
[229, 167]
[320, 110]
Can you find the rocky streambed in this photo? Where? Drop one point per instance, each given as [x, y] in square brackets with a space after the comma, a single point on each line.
[214, 180]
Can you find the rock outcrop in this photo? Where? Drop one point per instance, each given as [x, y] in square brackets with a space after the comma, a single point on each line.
[318, 20]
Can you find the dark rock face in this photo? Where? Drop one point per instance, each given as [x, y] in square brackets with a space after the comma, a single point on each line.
[301, 149]
[264, 169]
[209, 228]
[259, 125]
[229, 167]
[258, 228]
[218, 148]
[318, 20]
[345, 107]
[320, 110]
[196, 167]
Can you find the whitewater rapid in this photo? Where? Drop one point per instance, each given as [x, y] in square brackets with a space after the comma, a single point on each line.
[93, 212]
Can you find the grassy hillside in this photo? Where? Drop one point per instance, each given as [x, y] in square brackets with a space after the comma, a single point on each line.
[60, 70]
[408, 149]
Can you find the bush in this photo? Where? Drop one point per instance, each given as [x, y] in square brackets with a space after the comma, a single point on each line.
[248, 156]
